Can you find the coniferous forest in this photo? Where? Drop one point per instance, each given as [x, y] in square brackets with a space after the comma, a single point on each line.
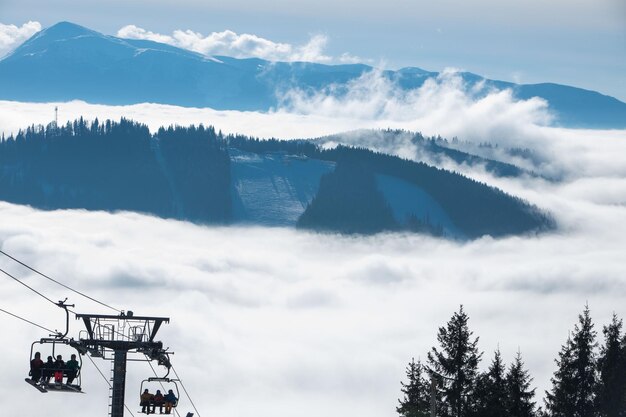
[186, 173]
[589, 380]
[178, 172]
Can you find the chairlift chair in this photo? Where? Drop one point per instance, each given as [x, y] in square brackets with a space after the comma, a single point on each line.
[45, 384]
[165, 383]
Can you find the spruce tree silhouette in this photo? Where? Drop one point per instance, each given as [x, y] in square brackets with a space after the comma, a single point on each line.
[574, 382]
[416, 400]
[457, 360]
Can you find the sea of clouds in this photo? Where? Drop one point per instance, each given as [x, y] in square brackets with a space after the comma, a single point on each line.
[265, 320]
[273, 321]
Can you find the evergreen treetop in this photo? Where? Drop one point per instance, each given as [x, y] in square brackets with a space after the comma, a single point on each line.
[574, 382]
[611, 392]
[455, 365]
[519, 401]
[416, 401]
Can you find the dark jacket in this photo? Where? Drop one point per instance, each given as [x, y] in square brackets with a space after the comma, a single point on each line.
[48, 368]
[36, 364]
[170, 398]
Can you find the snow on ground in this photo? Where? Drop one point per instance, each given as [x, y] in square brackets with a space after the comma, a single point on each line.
[273, 189]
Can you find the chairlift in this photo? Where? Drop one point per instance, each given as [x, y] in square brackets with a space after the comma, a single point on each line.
[51, 378]
[166, 385]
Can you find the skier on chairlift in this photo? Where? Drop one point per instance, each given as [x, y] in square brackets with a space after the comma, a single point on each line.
[170, 401]
[72, 367]
[48, 370]
[145, 401]
[59, 367]
[36, 367]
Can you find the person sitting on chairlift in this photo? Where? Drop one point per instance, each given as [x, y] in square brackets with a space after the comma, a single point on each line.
[48, 370]
[170, 401]
[59, 366]
[36, 368]
[158, 400]
[145, 400]
[72, 367]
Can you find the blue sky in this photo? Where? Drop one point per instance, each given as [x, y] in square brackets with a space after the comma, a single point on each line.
[581, 43]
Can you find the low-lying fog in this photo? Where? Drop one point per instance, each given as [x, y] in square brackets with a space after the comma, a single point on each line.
[280, 322]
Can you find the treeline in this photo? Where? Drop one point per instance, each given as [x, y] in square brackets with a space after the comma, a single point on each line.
[291, 147]
[181, 172]
[590, 380]
[438, 149]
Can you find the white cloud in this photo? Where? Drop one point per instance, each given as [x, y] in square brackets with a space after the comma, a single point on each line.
[442, 105]
[12, 36]
[243, 45]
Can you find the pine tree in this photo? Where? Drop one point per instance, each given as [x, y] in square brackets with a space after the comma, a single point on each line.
[561, 401]
[519, 395]
[496, 405]
[490, 395]
[611, 392]
[455, 365]
[574, 382]
[416, 401]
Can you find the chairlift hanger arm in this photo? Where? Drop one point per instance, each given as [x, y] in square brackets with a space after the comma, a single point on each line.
[67, 318]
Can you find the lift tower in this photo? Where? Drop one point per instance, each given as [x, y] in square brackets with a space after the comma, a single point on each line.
[108, 335]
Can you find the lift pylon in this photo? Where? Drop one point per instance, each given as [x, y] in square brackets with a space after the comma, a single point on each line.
[113, 337]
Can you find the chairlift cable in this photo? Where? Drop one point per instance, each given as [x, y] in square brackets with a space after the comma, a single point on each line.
[107, 381]
[99, 371]
[48, 299]
[57, 282]
[185, 389]
[27, 286]
[27, 321]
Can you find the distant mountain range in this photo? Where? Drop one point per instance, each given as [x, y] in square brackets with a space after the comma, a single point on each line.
[193, 173]
[67, 61]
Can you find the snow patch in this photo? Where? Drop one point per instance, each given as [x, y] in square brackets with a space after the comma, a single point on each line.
[273, 189]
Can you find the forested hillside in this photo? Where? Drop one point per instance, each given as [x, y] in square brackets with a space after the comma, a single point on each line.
[188, 173]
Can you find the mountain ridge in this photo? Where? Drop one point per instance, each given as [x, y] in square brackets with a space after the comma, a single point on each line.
[67, 61]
